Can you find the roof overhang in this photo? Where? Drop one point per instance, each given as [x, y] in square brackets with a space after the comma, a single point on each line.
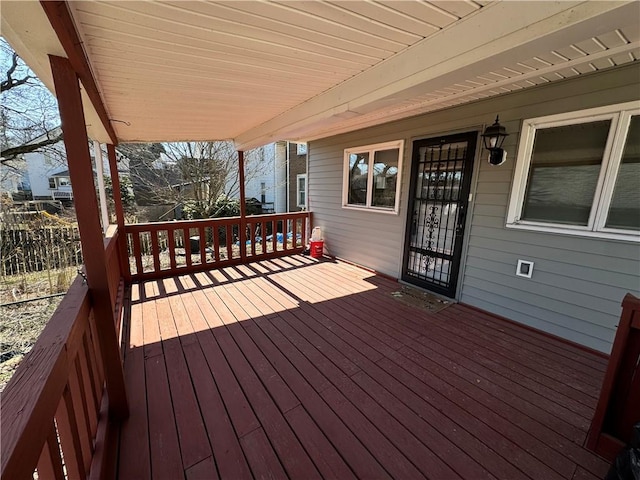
[258, 72]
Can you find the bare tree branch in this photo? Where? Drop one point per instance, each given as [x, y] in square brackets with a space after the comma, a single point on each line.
[11, 82]
[11, 153]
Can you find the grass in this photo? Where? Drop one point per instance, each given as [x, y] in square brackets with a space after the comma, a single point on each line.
[22, 323]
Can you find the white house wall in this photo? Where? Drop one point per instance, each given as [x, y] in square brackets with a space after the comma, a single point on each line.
[579, 282]
[40, 167]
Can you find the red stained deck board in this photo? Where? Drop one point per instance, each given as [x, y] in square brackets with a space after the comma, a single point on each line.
[434, 468]
[298, 368]
[447, 352]
[390, 457]
[166, 461]
[239, 408]
[545, 436]
[303, 312]
[467, 324]
[393, 460]
[224, 441]
[194, 441]
[394, 386]
[134, 460]
[480, 362]
[134, 441]
[263, 460]
[525, 401]
[595, 362]
[532, 435]
[292, 455]
[512, 358]
[350, 448]
[458, 459]
[281, 393]
[508, 449]
[437, 442]
[203, 470]
[560, 393]
[290, 452]
[328, 461]
[325, 309]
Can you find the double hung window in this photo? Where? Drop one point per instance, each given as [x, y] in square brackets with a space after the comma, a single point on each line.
[580, 173]
[372, 177]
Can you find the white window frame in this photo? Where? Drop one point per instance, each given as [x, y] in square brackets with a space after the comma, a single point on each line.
[620, 116]
[306, 189]
[301, 148]
[371, 149]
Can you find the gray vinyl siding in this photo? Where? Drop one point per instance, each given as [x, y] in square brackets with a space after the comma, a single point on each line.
[578, 282]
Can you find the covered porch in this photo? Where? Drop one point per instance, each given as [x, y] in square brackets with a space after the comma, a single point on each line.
[298, 368]
[249, 360]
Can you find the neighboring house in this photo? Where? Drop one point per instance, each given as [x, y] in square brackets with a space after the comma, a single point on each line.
[264, 176]
[290, 179]
[297, 176]
[48, 174]
[549, 239]
[14, 181]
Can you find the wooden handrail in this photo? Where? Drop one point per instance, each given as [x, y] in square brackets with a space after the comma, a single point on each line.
[617, 409]
[165, 249]
[57, 398]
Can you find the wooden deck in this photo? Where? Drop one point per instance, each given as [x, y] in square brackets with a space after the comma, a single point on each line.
[294, 368]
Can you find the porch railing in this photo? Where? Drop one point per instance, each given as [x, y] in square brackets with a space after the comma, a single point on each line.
[618, 407]
[165, 249]
[56, 401]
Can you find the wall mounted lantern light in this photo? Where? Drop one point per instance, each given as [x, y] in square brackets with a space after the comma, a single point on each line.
[494, 136]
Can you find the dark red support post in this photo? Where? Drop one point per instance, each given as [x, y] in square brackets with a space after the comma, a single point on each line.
[243, 209]
[84, 196]
[117, 200]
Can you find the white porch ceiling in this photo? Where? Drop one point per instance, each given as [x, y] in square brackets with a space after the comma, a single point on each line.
[256, 71]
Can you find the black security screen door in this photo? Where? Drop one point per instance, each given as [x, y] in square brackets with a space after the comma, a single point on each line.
[440, 183]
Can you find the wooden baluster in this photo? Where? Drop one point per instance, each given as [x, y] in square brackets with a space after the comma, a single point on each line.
[155, 249]
[203, 245]
[274, 240]
[252, 238]
[137, 253]
[50, 461]
[263, 233]
[171, 239]
[81, 415]
[187, 245]
[95, 352]
[304, 230]
[229, 234]
[294, 233]
[87, 390]
[215, 230]
[92, 371]
[285, 231]
[69, 437]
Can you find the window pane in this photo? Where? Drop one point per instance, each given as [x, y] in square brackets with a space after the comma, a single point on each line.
[564, 171]
[358, 175]
[385, 175]
[302, 189]
[624, 211]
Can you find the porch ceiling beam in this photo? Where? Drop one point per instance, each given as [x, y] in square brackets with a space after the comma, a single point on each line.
[418, 108]
[60, 18]
[498, 33]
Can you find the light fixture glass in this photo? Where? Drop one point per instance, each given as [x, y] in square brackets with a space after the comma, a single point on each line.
[493, 138]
